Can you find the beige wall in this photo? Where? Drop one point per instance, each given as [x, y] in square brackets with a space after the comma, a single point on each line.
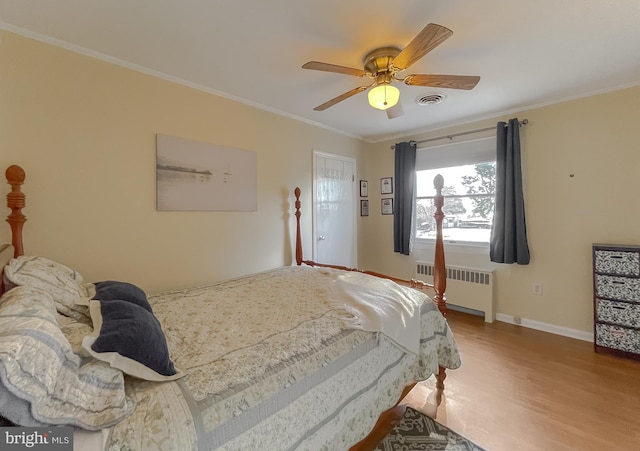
[84, 131]
[597, 140]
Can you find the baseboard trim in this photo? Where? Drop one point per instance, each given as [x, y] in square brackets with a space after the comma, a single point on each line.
[467, 310]
[546, 327]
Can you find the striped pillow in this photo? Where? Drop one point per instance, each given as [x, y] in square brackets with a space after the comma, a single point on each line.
[39, 369]
[66, 286]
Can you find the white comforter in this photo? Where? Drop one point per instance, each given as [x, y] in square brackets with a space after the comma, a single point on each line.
[380, 305]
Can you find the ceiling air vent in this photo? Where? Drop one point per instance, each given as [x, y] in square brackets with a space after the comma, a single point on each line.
[430, 99]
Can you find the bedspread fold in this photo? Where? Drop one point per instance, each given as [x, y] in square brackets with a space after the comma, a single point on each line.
[380, 305]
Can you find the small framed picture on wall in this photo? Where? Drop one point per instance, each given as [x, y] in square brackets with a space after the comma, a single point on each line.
[386, 185]
[364, 207]
[387, 206]
[364, 188]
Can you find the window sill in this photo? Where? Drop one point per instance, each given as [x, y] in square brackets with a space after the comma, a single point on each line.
[420, 244]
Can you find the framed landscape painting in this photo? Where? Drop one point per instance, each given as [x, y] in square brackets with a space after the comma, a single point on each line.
[196, 176]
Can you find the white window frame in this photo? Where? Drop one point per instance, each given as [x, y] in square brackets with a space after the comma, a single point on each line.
[461, 153]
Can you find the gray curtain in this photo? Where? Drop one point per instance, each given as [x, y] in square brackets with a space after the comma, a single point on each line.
[405, 182]
[509, 232]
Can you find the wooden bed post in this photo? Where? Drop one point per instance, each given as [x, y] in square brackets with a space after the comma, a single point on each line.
[16, 202]
[440, 273]
[298, 236]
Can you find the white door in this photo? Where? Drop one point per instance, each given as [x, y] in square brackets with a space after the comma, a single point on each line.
[334, 221]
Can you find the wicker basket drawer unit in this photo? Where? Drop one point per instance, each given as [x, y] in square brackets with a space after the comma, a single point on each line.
[621, 288]
[619, 338]
[622, 313]
[616, 299]
[621, 263]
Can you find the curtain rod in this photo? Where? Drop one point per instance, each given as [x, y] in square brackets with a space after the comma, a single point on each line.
[453, 135]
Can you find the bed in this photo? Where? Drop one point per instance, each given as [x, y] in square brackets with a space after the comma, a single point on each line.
[229, 366]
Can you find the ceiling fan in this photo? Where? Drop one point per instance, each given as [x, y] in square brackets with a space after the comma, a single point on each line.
[383, 64]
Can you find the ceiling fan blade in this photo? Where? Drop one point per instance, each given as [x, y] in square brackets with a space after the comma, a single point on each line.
[429, 38]
[443, 81]
[317, 65]
[340, 98]
[395, 111]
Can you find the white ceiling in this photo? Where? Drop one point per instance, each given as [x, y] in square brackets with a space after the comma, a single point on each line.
[526, 53]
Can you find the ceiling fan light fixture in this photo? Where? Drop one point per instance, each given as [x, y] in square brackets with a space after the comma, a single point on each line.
[384, 96]
[382, 64]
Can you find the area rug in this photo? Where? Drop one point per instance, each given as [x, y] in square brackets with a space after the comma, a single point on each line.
[419, 432]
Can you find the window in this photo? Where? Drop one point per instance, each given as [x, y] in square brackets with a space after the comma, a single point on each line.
[469, 189]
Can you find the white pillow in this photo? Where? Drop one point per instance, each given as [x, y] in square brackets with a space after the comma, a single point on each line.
[66, 286]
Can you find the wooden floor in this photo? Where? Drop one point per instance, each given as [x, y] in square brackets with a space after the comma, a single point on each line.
[520, 389]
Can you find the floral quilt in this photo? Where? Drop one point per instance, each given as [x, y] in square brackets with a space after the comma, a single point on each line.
[273, 361]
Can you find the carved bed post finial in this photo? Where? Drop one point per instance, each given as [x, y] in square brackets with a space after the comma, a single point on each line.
[298, 236]
[16, 202]
[440, 275]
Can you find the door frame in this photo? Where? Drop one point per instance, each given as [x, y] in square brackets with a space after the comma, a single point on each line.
[354, 201]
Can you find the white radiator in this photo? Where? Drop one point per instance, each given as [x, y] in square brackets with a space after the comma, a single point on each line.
[467, 288]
